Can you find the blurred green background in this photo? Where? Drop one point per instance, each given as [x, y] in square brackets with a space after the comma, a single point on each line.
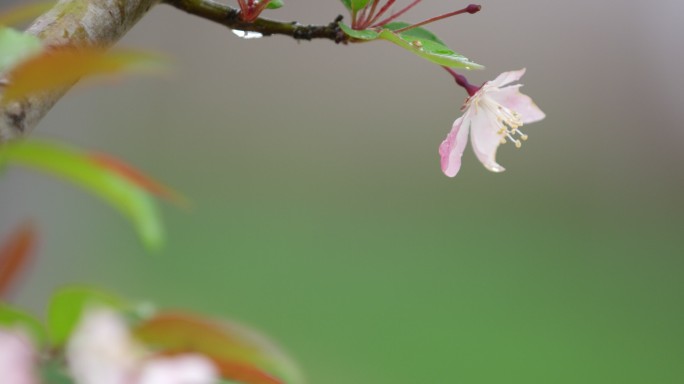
[322, 218]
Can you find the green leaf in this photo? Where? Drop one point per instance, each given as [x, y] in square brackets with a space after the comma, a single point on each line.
[79, 168]
[67, 306]
[367, 34]
[417, 40]
[11, 318]
[16, 46]
[429, 49]
[357, 5]
[416, 33]
[239, 353]
[275, 4]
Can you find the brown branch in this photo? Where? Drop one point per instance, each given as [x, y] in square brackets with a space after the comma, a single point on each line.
[71, 22]
[230, 17]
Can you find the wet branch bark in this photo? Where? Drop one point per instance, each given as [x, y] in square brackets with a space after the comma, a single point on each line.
[104, 22]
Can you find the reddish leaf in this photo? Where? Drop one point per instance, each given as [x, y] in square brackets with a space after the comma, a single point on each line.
[138, 178]
[60, 67]
[240, 354]
[15, 255]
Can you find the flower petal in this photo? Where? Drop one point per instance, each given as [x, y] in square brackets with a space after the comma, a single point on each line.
[183, 369]
[507, 78]
[452, 147]
[101, 351]
[511, 98]
[17, 358]
[485, 139]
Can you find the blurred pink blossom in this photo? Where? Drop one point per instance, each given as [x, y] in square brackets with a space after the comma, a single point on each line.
[102, 351]
[17, 358]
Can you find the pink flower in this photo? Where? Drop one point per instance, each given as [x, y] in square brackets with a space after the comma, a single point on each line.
[17, 358]
[493, 115]
[102, 351]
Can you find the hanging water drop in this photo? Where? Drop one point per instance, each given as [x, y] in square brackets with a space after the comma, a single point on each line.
[247, 34]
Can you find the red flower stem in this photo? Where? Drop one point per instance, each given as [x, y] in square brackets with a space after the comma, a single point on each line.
[472, 8]
[371, 14]
[244, 10]
[362, 18]
[398, 14]
[463, 82]
[382, 11]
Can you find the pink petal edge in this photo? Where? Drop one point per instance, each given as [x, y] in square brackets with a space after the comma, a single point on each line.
[451, 149]
[508, 77]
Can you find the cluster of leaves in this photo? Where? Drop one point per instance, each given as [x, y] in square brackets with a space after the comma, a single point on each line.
[239, 354]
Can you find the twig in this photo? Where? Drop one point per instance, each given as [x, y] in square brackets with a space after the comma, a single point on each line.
[230, 17]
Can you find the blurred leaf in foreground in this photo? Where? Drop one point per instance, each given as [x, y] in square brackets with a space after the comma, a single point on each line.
[15, 254]
[140, 179]
[240, 354]
[13, 318]
[79, 168]
[16, 46]
[68, 305]
[63, 66]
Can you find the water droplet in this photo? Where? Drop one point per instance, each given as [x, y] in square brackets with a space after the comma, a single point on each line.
[247, 34]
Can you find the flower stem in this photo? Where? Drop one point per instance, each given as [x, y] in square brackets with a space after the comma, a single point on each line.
[381, 12]
[463, 82]
[472, 8]
[394, 16]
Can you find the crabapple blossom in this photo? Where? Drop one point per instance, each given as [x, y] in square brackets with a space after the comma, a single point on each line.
[493, 115]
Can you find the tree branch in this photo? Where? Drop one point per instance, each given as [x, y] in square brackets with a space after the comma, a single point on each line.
[230, 17]
[70, 22]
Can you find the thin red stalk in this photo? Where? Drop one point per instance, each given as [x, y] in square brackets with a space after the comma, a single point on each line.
[362, 18]
[469, 9]
[382, 11]
[398, 14]
[244, 9]
[260, 8]
[366, 22]
[15, 255]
